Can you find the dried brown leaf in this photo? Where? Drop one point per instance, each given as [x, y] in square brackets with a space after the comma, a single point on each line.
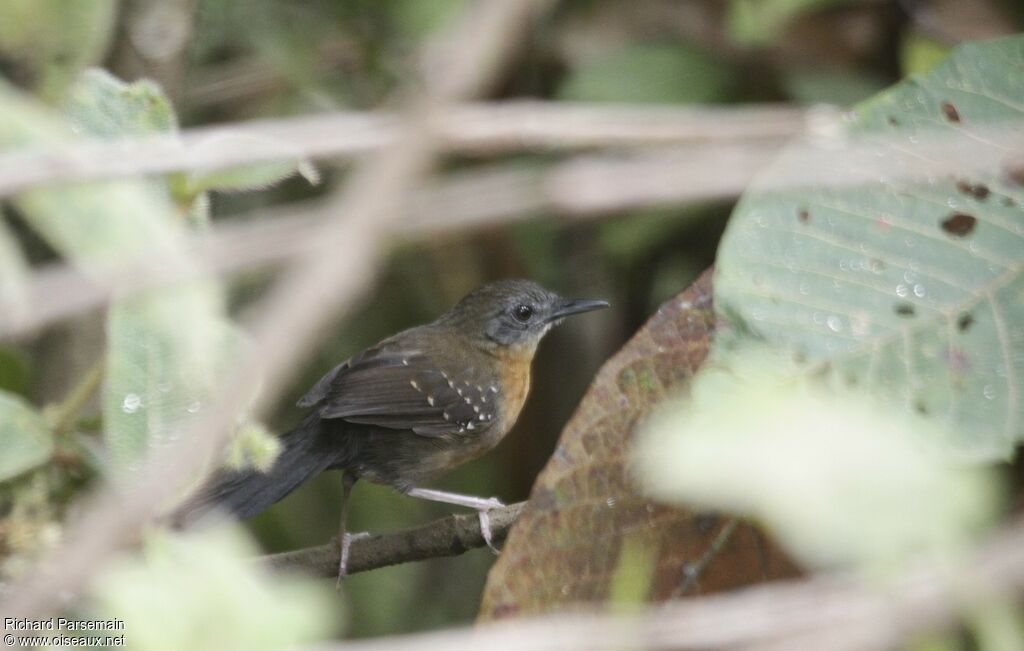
[566, 546]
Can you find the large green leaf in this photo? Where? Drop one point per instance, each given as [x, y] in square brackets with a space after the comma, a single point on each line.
[25, 439]
[909, 287]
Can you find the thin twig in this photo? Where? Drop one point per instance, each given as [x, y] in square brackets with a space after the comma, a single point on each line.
[344, 258]
[449, 536]
[476, 129]
[693, 571]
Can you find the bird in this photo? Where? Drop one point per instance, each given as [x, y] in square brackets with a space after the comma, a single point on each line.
[410, 408]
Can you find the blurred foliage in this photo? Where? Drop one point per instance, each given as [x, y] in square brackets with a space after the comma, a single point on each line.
[265, 59]
[761, 22]
[44, 44]
[27, 441]
[200, 591]
[919, 54]
[836, 479]
[14, 371]
[650, 73]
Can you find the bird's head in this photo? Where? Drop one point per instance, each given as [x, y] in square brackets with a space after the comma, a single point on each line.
[514, 314]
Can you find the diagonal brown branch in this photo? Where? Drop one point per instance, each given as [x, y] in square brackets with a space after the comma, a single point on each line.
[449, 536]
[340, 263]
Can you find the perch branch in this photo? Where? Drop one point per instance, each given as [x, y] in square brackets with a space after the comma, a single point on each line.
[342, 261]
[449, 536]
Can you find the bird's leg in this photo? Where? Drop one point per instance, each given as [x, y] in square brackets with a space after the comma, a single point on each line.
[344, 537]
[481, 504]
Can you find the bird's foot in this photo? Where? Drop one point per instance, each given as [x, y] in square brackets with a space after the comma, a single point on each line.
[485, 521]
[343, 549]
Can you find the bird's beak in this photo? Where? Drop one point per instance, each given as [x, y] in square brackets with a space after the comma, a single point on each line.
[576, 306]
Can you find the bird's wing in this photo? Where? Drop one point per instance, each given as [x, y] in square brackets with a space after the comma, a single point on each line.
[404, 390]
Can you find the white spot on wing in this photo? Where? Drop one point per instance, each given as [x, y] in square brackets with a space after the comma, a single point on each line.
[414, 385]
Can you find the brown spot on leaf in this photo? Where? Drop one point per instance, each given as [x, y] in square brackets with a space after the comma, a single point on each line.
[803, 215]
[904, 309]
[965, 321]
[950, 112]
[959, 224]
[979, 191]
[893, 121]
[921, 408]
[1015, 170]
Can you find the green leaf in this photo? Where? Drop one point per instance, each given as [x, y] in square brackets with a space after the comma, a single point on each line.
[161, 367]
[912, 290]
[45, 43]
[25, 438]
[14, 370]
[247, 177]
[650, 73]
[919, 54]
[836, 479]
[104, 106]
[759, 22]
[203, 592]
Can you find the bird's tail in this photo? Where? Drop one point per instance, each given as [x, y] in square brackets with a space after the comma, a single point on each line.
[305, 453]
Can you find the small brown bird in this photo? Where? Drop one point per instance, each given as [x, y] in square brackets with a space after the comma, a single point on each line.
[413, 406]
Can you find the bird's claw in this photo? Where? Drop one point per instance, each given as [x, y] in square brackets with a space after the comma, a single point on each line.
[343, 549]
[485, 522]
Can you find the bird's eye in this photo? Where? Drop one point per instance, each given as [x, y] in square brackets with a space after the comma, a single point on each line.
[522, 313]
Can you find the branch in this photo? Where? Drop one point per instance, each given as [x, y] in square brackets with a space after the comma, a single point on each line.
[829, 612]
[449, 536]
[296, 309]
[474, 128]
